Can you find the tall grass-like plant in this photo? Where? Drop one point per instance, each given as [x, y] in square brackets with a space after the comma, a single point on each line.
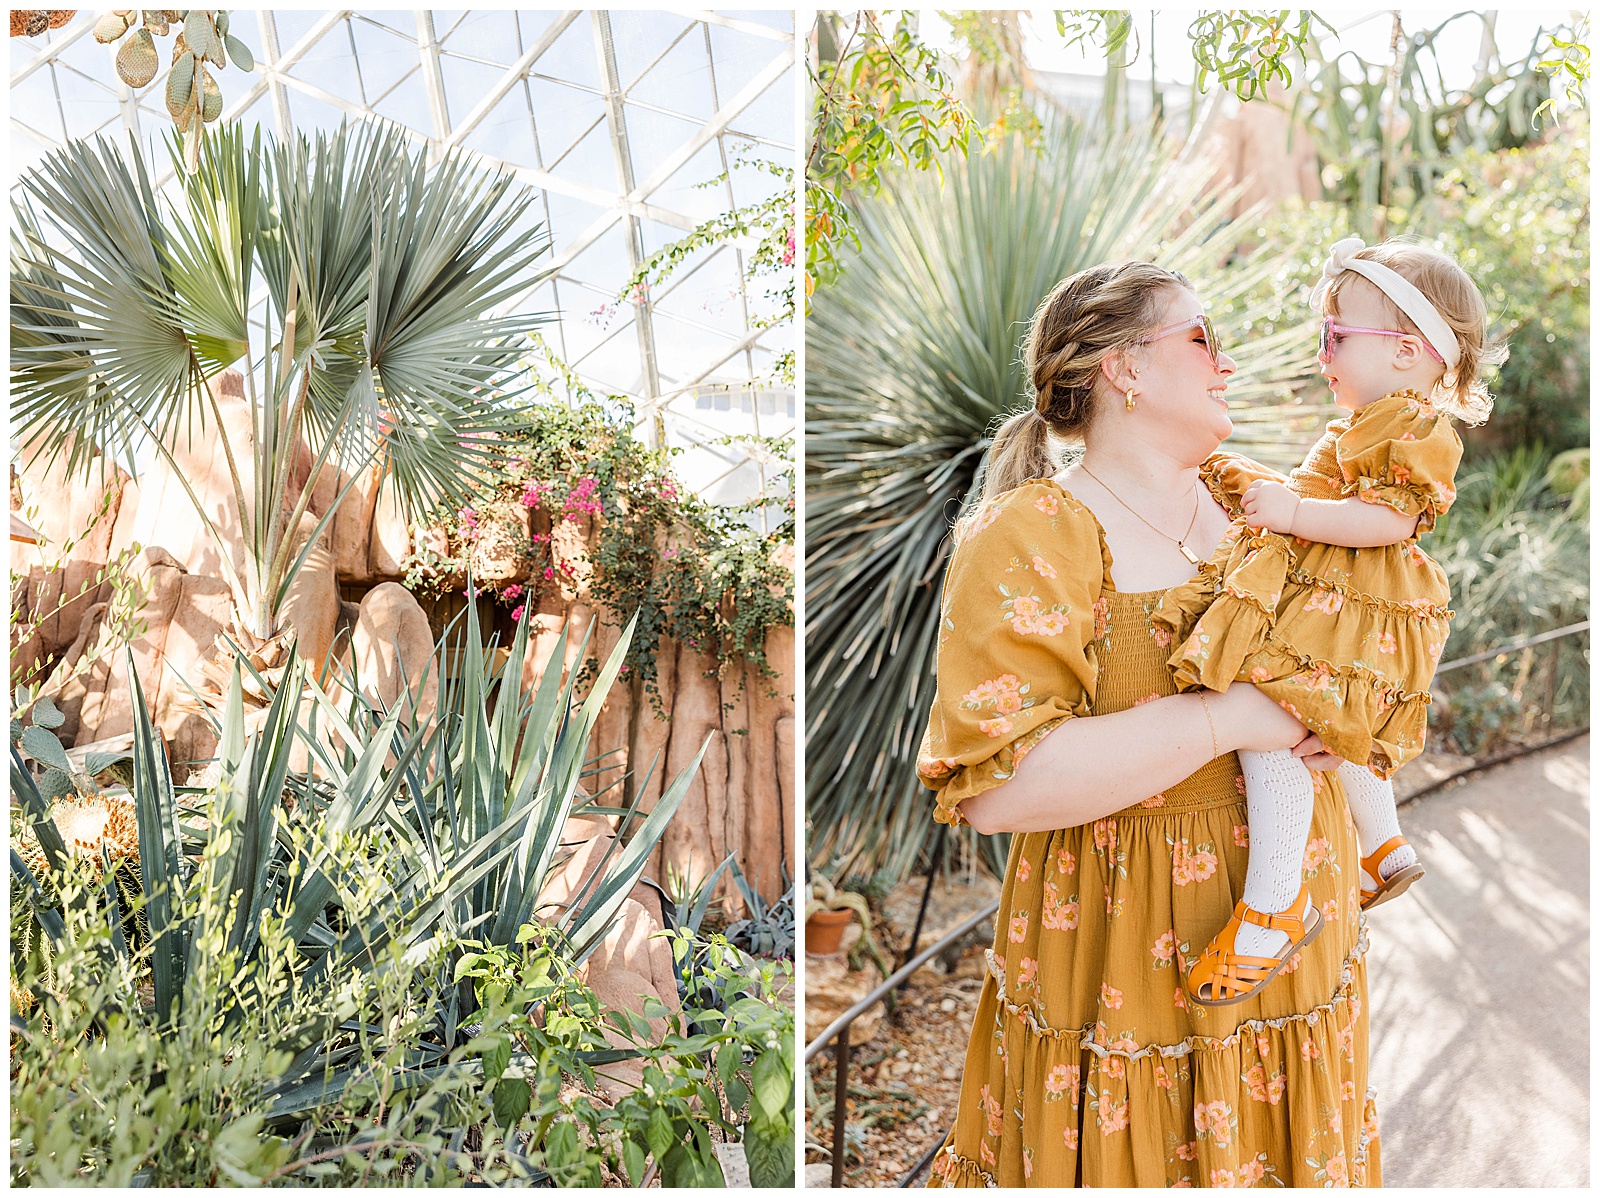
[911, 358]
[1516, 549]
[383, 276]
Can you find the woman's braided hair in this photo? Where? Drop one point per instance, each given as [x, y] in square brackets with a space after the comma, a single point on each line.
[1085, 318]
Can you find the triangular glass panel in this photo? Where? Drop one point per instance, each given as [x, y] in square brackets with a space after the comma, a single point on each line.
[293, 24]
[386, 55]
[653, 137]
[466, 83]
[680, 82]
[604, 264]
[407, 105]
[33, 105]
[561, 116]
[639, 37]
[572, 58]
[771, 114]
[569, 218]
[681, 194]
[685, 348]
[309, 116]
[506, 131]
[592, 161]
[739, 58]
[612, 367]
[484, 34]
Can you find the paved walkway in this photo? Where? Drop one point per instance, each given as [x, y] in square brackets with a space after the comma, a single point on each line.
[1480, 983]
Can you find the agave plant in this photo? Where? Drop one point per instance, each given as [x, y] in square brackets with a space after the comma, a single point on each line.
[382, 276]
[911, 358]
[459, 826]
[499, 771]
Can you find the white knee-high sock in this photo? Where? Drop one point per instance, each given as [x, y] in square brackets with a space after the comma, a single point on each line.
[1372, 807]
[1279, 797]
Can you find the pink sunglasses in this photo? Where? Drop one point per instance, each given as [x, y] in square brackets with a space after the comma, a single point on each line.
[1202, 322]
[1332, 331]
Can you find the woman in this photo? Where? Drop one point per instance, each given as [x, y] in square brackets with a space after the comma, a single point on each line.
[1056, 719]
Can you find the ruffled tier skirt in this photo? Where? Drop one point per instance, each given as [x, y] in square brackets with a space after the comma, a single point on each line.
[1088, 1066]
[1346, 640]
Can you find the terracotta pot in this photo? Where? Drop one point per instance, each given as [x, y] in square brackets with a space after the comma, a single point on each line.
[825, 929]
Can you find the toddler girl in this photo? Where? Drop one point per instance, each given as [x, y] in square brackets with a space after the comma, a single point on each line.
[1320, 596]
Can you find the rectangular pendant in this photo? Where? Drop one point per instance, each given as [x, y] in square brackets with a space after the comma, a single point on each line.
[1184, 549]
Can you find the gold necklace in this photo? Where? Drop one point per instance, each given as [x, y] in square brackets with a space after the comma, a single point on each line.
[1178, 541]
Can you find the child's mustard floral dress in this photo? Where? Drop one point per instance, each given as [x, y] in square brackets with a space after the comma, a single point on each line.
[1345, 639]
[1087, 1066]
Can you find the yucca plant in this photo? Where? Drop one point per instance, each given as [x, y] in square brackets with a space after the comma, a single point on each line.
[383, 279]
[911, 358]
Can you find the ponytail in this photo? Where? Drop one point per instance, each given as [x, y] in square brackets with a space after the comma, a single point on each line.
[1020, 451]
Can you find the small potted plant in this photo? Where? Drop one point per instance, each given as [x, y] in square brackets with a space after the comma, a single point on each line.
[828, 912]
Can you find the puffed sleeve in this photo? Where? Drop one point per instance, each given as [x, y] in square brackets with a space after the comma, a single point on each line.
[1403, 452]
[1229, 476]
[1016, 628]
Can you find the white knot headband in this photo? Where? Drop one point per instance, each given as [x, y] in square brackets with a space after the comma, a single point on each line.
[1406, 297]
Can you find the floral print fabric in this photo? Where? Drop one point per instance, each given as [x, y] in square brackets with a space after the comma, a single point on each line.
[1346, 640]
[1087, 1064]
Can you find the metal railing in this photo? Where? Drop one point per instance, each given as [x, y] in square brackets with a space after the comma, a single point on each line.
[839, 1030]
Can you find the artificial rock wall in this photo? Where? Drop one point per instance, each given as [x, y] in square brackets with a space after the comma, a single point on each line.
[742, 801]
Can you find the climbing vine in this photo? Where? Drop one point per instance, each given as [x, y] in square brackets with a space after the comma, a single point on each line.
[580, 505]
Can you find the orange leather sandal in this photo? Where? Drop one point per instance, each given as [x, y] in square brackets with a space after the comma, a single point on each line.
[1395, 884]
[1222, 976]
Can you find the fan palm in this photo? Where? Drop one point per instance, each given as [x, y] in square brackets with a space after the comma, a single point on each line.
[911, 357]
[382, 276]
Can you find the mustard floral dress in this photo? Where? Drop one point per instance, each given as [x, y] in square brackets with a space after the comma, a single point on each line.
[1346, 640]
[1087, 1063]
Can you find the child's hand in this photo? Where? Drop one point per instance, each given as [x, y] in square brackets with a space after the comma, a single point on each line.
[1270, 505]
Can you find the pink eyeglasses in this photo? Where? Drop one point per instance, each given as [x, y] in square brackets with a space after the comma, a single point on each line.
[1201, 322]
[1331, 332]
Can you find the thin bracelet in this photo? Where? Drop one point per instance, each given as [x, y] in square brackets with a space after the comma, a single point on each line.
[1289, 532]
[1215, 752]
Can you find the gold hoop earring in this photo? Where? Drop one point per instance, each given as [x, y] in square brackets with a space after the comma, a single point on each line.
[1130, 399]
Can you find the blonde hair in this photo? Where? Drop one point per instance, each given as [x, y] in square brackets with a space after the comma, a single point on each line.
[1460, 391]
[1084, 319]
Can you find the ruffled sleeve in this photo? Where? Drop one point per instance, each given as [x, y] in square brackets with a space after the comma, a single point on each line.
[1229, 475]
[1403, 452]
[1016, 626]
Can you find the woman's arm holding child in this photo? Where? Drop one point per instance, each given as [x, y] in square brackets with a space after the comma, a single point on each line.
[1351, 523]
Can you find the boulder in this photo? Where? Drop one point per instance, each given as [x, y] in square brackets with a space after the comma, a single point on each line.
[311, 606]
[183, 613]
[164, 513]
[392, 645]
[352, 523]
[630, 965]
[76, 516]
[391, 537]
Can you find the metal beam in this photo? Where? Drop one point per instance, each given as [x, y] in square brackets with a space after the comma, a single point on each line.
[752, 91]
[755, 28]
[617, 120]
[514, 75]
[434, 78]
[68, 35]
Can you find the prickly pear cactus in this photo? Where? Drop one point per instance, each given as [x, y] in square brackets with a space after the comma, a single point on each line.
[31, 22]
[193, 97]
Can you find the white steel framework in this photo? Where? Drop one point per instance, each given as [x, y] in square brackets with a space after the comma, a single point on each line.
[634, 126]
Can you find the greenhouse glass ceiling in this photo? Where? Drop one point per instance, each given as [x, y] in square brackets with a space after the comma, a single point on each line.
[634, 126]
